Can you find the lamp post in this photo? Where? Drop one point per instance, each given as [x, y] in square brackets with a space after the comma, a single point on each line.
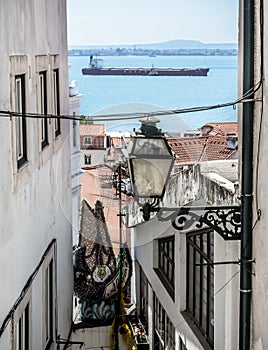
[150, 164]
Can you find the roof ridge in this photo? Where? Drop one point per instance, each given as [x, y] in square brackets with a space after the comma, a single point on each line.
[220, 123]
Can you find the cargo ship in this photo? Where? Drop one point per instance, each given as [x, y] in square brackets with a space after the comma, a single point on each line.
[96, 68]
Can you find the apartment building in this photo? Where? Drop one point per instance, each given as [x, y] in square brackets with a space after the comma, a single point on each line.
[35, 176]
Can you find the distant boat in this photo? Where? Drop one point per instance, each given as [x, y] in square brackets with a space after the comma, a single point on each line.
[96, 68]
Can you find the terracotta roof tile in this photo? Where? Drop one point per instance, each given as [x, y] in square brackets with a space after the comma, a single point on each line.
[191, 150]
[223, 128]
[216, 149]
[187, 149]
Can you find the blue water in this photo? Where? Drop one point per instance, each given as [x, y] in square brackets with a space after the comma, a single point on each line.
[129, 94]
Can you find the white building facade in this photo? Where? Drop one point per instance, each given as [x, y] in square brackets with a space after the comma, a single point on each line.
[74, 99]
[36, 197]
[186, 300]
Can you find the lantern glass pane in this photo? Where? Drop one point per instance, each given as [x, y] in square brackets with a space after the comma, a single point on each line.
[150, 176]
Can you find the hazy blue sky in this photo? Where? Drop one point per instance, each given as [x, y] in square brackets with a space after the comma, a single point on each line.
[107, 22]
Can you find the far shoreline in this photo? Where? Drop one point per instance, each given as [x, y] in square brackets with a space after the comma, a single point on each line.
[152, 53]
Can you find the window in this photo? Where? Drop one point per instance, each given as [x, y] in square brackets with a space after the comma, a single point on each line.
[170, 334]
[88, 140]
[87, 159]
[74, 131]
[182, 346]
[22, 331]
[56, 102]
[166, 263]
[21, 124]
[200, 281]
[143, 295]
[164, 330]
[49, 304]
[43, 108]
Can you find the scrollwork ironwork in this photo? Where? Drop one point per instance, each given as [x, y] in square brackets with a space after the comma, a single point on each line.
[224, 220]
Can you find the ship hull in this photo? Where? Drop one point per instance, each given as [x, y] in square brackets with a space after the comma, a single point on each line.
[147, 71]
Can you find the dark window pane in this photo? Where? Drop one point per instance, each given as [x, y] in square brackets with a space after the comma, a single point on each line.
[166, 263]
[200, 281]
[20, 121]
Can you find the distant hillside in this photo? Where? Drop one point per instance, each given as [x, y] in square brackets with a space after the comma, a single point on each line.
[172, 44]
[187, 44]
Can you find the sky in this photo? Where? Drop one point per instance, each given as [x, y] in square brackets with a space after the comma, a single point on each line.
[115, 22]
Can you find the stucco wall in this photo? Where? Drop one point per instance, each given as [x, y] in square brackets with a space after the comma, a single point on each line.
[35, 201]
[200, 185]
[96, 338]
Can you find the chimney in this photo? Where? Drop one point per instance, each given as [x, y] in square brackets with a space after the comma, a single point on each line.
[231, 141]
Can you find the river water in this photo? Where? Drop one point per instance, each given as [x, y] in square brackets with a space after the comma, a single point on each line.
[130, 94]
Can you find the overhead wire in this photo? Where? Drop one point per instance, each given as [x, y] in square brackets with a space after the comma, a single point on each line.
[258, 210]
[247, 97]
[226, 283]
[135, 115]
[129, 116]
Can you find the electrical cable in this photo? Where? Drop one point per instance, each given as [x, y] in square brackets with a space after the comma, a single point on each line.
[131, 115]
[123, 116]
[258, 211]
[226, 283]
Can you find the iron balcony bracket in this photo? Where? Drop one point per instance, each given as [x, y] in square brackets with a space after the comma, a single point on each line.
[225, 220]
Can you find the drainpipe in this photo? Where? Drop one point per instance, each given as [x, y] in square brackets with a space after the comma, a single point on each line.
[247, 175]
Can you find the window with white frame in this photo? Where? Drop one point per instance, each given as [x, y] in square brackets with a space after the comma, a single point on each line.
[200, 281]
[43, 108]
[56, 102]
[49, 304]
[165, 268]
[22, 330]
[20, 121]
[164, 335]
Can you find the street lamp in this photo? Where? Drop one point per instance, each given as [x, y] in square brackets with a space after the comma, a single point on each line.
[150, 162]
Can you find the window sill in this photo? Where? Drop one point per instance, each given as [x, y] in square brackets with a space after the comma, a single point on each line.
[169, 287]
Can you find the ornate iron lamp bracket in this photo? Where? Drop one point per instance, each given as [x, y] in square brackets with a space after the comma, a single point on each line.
[225, 220]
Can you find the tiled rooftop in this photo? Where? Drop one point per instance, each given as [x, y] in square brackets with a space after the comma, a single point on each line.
[216, 149]
[191, 150]
[222, 129]
[187, 149]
